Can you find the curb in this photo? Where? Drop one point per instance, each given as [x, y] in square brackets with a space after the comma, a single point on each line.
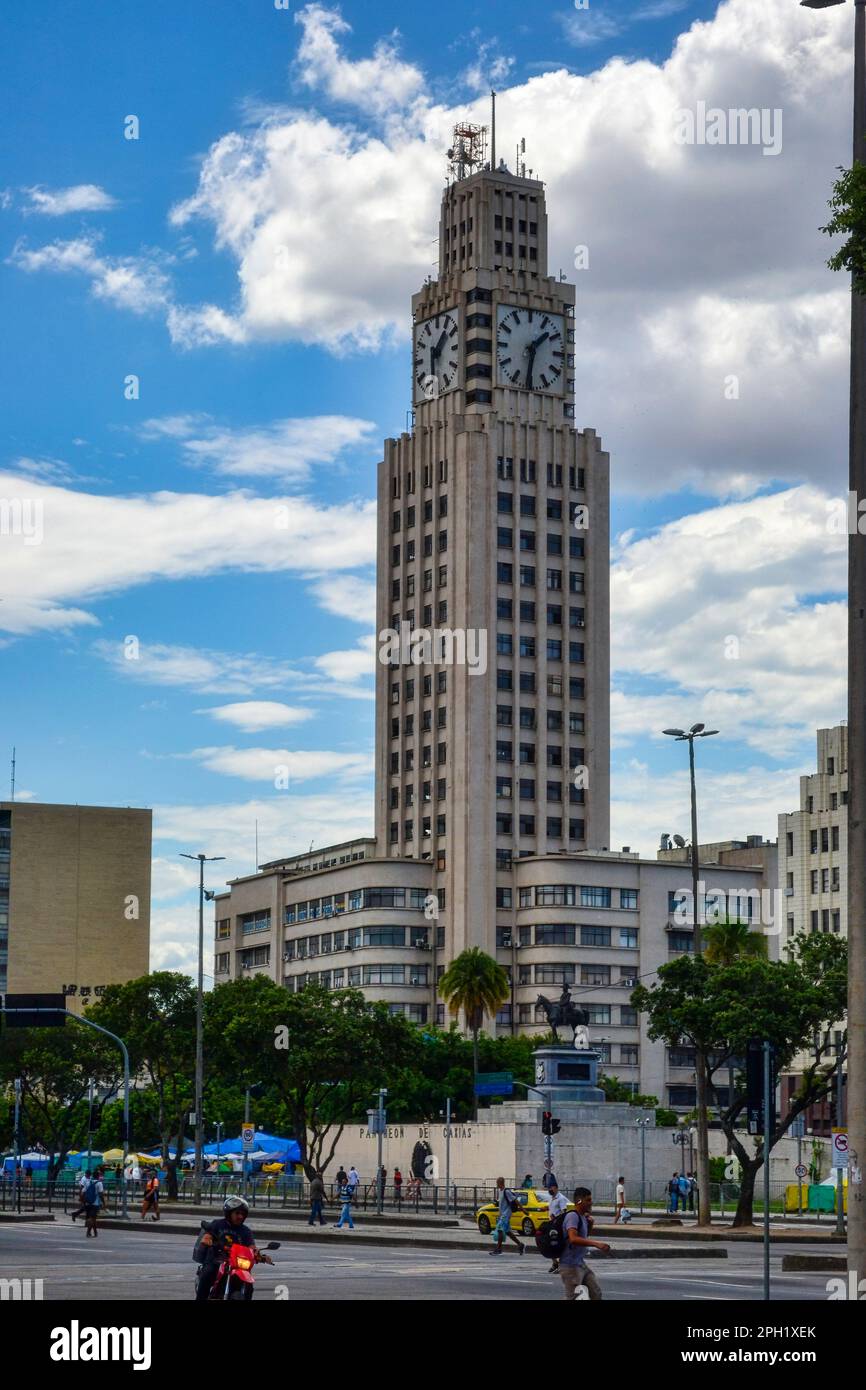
[820, 1264]
[13, 1216]
[403, 1242]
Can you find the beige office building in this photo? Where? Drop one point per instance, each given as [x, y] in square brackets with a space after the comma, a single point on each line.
[74, 898]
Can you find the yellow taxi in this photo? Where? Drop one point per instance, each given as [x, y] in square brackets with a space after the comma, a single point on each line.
[526, 1221]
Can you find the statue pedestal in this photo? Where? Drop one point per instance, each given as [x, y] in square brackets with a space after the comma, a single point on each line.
[566, 1076]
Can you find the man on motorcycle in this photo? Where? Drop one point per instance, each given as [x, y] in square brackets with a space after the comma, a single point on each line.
[230, 1229]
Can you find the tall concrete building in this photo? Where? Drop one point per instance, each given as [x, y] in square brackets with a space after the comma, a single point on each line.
[813, 843]
[493, 529]
[813, 881]
[74, 898]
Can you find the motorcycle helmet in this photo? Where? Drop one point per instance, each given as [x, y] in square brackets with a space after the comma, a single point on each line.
[235, 1204]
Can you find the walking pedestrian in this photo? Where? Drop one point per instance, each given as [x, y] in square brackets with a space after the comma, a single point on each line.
[93, 1195]
[508, 1203]
[347, 1197]
[83, 1180]
[693, 1191]
[620, 1199]
[398, 1186]
[674, 1192]
[354, 1179]
[557, 1202]
[573, 1270]
[317, 1200]
[150, 1201]
[685, 1189]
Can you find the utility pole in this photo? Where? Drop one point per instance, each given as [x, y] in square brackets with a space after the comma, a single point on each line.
[703, 1163]
[856, 706]
[199, 1024]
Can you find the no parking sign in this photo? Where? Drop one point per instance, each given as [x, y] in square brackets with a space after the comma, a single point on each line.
[248, 1135]
[839, 1149]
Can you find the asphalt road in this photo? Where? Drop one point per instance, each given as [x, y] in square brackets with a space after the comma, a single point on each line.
[134, 1265]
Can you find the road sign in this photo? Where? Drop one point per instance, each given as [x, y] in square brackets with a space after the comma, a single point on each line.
[548, 1163]
[34, 1010]
[801, 1170]
[494, 1083]
[839, 1149]
[248, 1135]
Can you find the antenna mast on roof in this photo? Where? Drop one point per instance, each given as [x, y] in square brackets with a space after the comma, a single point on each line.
[493, 130]
[12, 797]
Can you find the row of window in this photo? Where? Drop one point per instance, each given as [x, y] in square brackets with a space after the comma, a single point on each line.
[527, 613]
[426, 724]
[526, 790]
[526, 754]
[592, 975]
[427, 578]
[526, 826]
[426, 758]
[528, 718]
[526, 506]
[354, 939]
[426, 687]
[577, 895]
[526, 681]
[527, 539]
[426, 796]
[527, 473]
[825, 880]
[426, 828]
[564, 934]
[526, 576]
[359, 900]
[363, 976]
[442, 473]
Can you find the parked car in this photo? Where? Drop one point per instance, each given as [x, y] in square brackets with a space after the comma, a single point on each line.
[532, 1214]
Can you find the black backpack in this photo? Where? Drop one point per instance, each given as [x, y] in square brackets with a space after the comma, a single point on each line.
[551, 1238]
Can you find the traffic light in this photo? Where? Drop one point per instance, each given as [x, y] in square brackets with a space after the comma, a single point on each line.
[546, 1119]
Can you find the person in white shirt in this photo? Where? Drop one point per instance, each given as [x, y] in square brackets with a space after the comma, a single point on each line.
[556, 1203]
[354, 1179]
[620, 1199]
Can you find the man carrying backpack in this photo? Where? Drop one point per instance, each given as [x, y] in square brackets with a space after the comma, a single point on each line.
[508, 1203]
[93, 1194]
[557, 1203]
[573, 1270]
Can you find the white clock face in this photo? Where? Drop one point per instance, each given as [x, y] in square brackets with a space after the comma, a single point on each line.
[530, 349]
[436, 363]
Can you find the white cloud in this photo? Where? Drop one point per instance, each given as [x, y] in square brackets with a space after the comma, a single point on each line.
[284, 449]
[352, 665]
[347, 596]
[377, 84]
[737, 614]
[81, 197]
[269, 764]
[208, 672]
[252, 716]
[136, 283]
[96, 545]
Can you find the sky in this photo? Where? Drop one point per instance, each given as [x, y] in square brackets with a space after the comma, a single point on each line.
[212, 220]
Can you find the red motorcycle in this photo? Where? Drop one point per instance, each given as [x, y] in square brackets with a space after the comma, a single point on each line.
[235, 1280]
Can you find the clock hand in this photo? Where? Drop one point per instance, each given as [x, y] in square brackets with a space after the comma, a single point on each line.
[435, 351]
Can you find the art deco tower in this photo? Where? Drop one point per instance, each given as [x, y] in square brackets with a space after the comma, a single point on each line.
[493, 523]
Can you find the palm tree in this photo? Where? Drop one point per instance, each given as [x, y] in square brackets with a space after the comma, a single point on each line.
[475, 984]
[724, 943]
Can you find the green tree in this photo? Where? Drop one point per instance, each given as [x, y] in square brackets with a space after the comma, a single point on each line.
[848, 205]
[319, 1053]
[55, 1066]
[155, 1016]
[726, 942]
[719, 1008]
[474, 984]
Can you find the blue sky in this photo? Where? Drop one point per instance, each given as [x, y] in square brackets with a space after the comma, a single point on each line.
[223, 521]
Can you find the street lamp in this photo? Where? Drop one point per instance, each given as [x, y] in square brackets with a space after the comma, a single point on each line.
[698, 731]
[642, 1124]
[856, 704]
[199, 1030]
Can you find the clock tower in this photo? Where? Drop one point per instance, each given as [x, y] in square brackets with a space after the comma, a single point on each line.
[492, 724]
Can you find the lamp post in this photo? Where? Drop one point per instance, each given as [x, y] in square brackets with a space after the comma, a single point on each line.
[199, 1030]
[704, 1217]
[642, 1126]
[856, 707]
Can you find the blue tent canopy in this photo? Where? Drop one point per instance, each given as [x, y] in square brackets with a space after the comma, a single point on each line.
[278, 1150]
